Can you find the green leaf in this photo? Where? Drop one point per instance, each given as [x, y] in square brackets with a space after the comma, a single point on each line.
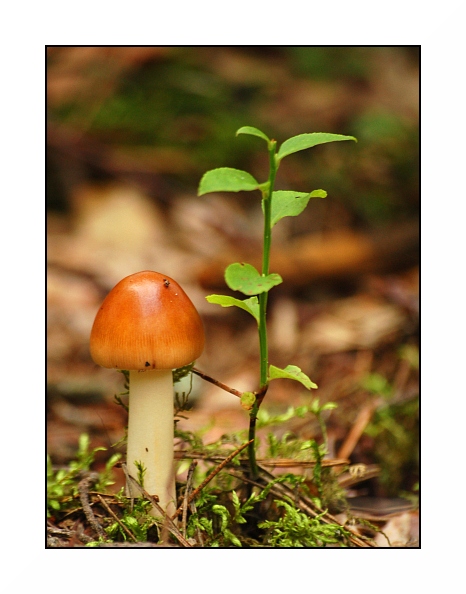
[305, 141]
[250, 305]
[253, 132]
[245, 278]
[291, 372]
[226, 179]
[286, 203]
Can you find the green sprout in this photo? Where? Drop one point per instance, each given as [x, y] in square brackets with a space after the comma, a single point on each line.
[62, 484]
[244, 277]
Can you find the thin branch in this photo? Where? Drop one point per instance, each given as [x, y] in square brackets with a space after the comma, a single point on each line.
[189, 455]
[272, 462]
[189, 480]
[207, 480]
[291, 463]
[168, 521]
[136, 545]
[83, 489]
[200, 539]
[207, 378]
[362, 420]
[116, 518]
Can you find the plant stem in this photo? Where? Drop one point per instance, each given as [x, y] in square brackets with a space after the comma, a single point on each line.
[264, 355]
[267, 199]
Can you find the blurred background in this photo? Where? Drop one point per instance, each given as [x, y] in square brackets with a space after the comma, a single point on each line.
[130, 132]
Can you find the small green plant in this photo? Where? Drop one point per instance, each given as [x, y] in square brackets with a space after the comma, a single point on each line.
[295, 529]
[141, 472]
[135, 521]
[394, 432]
[62, 484]
[245, 278]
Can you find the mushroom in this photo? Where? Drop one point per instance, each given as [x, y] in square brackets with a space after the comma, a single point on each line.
[149, 326]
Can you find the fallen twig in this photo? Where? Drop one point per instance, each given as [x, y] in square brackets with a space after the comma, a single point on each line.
[136, 545]
[357, 430]
[83, 489]
[168, 521]
[189, 480]
[215, 471]
[116, 518]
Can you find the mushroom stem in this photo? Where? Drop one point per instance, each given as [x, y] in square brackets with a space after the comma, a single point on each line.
[150, 434]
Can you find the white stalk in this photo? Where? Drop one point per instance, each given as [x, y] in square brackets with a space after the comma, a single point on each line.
[150, 434]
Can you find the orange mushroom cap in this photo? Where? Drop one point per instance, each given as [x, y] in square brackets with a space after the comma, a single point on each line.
[146, 322]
